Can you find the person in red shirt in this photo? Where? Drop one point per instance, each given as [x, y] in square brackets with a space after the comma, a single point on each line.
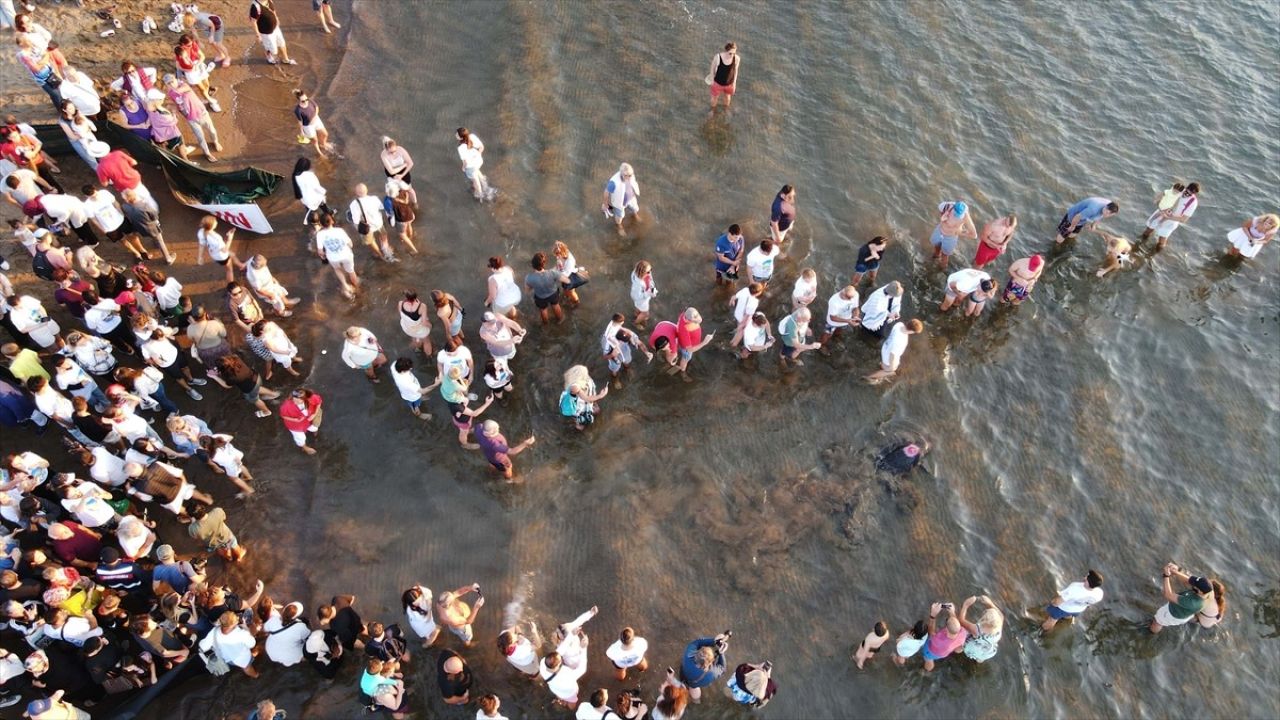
[689, 333]
[25, 152]
[118, 168]
[663, 339]
[302, 414]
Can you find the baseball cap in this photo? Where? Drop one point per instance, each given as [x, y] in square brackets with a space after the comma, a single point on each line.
[959, 208]
[1035, 262]
[1201, 584]
[164, 553]
[36, 707]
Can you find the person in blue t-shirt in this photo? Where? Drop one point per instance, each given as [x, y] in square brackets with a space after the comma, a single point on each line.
[729, 255]
[703, 662]
[1085, 214]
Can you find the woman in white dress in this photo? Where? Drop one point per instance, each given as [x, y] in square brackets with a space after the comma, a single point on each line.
[282, 349]
[417, 607]
[504, 293]
[415, 322]
[1249, 239]
[265, 286]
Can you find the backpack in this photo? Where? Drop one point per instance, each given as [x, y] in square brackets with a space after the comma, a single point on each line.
[41, 266]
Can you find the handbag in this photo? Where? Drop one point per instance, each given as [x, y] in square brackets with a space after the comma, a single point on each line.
[362, 227]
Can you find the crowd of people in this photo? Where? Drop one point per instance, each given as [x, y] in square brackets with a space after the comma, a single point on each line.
[103, 605]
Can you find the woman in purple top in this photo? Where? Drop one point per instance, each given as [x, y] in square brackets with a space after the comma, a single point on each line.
[136, 117]
[164, 129]
[495, 448]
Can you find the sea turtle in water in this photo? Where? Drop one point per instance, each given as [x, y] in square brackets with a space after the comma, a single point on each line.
[902, 457]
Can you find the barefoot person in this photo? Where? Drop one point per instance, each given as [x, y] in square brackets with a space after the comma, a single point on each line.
[1249, 239]
[1183, 605]
[495, 448]
[954, 222]
[504, 294]
[621, 194]
[334, 246]
[1084, 215]
[324, 10]
[544, 284]
[362, 351]
[1118, 249]
[871, 644]
[1167, 219]
[794, 332]
[995, 239]
[471, 154]
[945, 640]
[724, 75]
[962, 284]
[643, 291]
[456, 615]
[628, 652]
[263, 14]
[1023, 274]
[868, 262]
[302, 414]
[729, 255]
[984, 635]
[782, 214]
[616, 344]
[580, 401]
[842, 311]
[881, 309]
[1073, 600]
[689, 337]
[893, 348]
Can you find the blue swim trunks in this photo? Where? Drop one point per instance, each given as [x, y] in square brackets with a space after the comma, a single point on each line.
[1057, 613]
[946, 242]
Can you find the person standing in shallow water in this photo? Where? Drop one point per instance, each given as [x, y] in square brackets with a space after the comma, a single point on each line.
[724, 75]
[1184, 605]
[1073, 600]
[471, 153]
[621, 193]
[1023, 274]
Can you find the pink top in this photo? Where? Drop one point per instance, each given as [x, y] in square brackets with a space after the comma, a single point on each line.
[941, 644]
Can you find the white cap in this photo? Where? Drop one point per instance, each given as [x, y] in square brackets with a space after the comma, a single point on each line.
[98, 149]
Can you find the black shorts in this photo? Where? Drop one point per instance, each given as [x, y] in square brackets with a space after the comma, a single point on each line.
[1064, 227]
[223, 262]
[879, 332]
[546, 302]
[174, 371]
[788, 351]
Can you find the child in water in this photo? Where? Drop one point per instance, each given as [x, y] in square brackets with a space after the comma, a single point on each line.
[870, 644]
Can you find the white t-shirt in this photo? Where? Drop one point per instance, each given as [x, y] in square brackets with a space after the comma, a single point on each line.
[131, 427]
[481, 716]
[1077, 596]
[169, 294]
[54, 404]
[372, 212]
[362, 352]
[627, 657]
[408, 385]
[754, 336]
[90, 509]
[61, 207]
[213, 244]
[525, 653]
[235, 647]
[107, 468]
[336, 244]
[461, 357]
[895, 344]
[163, 352]
[229, 458]
[804, 289]
[103, 317]
[841, 306]
[563, 683]
[470, 156]
[285, 645]
[587, 712]
[744, 304]
[102, 206]
[761, 264]
[967, 280]
[27, 186]
[878, 307]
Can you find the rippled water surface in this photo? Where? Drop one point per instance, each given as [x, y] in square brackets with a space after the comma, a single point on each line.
[1114, 424]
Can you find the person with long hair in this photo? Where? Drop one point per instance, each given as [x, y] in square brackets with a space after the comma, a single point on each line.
[417, 608]
[219, 249]
[1215, 607]
[79, 129]
[308, 190]
[414, 322]
[245, 379]
[673, 698]
[398, 165]
[572, 276]
[504, 293]
[471, 153]
[450, 313]
[399, 203]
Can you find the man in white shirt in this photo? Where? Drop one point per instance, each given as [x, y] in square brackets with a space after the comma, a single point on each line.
[882, 309]
[102, 316]
[23, 185]
[365, 212]
[744, 304]
[893, 348]
[842, 311]
[1164, 222]
[562, 678]
[627, 652]
[334, 246]
[1074, 599]
[69, 210]
[105, 467]
[30, 318]
[168, 291]
[962, 284]
[411, 391]
[597, 708]
[760, 262]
